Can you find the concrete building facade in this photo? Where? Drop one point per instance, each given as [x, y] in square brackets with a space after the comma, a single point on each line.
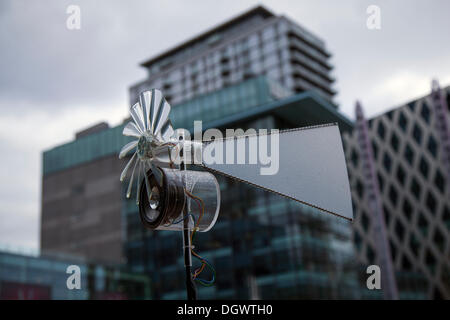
[81, 209]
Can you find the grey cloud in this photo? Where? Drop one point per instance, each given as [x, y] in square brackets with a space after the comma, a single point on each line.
[45, 67]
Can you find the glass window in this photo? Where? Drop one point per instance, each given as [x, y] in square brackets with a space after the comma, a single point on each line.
[430, 260]
[425, 112]
[414, 244]
[399, 230]
[432, 146]
[406, 264]
[446, 216]
[387, 162]
[370, 254]
[431, 203]
[401, 174]
[407, 209]
[403, 122]
[412, 106]
[394, 141]
[365, 221]
[354, 158]
[390, 114]
[360, 189]
[423, 167]
[387, 215]
[423, 224]
[409, 154]
[417, 134]
[375, 149]
[438, 239]
[380, 181]
[393, 195]
[415, 188]
[439, 180]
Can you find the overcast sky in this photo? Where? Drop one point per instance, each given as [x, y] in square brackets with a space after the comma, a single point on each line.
[55, 81]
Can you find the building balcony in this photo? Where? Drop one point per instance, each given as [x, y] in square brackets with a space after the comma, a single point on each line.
[298, 45]
[299, 58]
[314, 80]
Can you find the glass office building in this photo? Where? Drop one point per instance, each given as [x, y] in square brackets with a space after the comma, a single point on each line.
[25, 277]
[254, 43]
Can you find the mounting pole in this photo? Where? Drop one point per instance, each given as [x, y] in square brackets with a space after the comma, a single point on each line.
[191, 291]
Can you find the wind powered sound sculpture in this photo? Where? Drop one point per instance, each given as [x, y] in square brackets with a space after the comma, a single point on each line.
[311, 170]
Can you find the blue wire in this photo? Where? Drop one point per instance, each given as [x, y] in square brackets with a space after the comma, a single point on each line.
[184, 218]
[203, 281]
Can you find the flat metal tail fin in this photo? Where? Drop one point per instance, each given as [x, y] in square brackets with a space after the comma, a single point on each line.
[305, 164]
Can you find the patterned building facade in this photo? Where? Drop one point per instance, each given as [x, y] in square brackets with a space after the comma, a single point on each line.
[411, 169]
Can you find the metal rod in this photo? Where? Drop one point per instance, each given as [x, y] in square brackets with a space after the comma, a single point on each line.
[190, 285]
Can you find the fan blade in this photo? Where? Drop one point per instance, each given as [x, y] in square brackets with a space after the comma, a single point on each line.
[136, 114]
[161, 154]
[147, 185]
[130, 184]
[157, 173]
[145, 99]
[311, 166]
[131, 130]
[125, 170]
[162, 116]
[127, 148]
[138, 183]
[157, 98]
[167, 131]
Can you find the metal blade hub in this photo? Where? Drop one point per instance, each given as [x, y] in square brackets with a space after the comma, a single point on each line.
[147, 142]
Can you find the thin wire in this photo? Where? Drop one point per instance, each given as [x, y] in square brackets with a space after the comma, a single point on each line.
[205, 263]
[184, 218]
[199, 270]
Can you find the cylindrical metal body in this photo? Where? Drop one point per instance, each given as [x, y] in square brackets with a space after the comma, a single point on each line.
[202, 198]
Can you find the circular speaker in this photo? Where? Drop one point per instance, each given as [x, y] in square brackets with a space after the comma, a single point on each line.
[166, 202]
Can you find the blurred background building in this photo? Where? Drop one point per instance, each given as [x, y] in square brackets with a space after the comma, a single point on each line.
[257, 70]
[254, 43]
[411, 164]
[30, 277]
[81, 199]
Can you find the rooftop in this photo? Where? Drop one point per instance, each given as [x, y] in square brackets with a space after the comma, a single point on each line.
[259, 10]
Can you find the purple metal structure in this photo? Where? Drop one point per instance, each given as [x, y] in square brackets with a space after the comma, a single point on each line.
[443, 127]
[388, 283]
